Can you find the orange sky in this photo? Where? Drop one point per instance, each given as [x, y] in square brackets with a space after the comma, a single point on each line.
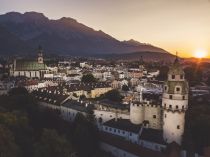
[175, 25]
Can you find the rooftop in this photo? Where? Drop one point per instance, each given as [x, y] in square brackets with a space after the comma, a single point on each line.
[128, 146]
[123, 124]
[152, 135]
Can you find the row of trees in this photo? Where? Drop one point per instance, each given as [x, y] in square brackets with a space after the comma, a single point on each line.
[197, 128]
[26, 130]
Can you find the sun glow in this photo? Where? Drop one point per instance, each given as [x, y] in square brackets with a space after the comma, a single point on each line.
[200, 54]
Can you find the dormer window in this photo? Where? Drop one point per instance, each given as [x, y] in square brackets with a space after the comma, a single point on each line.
[173, 76]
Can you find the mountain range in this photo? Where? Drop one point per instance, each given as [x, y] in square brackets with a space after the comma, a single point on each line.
[23, 33]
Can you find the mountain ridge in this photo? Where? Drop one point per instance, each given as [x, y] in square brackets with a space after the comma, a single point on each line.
[66, 36]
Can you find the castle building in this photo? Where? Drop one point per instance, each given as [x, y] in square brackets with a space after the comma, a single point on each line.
[29, 68]
[174, 104]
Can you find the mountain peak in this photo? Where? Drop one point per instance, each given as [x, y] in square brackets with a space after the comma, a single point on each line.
[133, 42]
[67, 19]
[34, 16]
[19, 18]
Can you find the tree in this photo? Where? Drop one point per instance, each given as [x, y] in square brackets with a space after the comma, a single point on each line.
[193, 74]
[163, 73]
[82, 97]
[52, 144]
[88, 78]
[125, 88]
[113, 95]
[8, 147]
[85, 136]
[18, 91]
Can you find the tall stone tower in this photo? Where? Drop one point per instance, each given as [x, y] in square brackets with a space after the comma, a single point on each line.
[175, 104]
[40, 55]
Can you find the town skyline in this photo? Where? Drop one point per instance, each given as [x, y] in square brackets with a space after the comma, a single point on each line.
[181, 26]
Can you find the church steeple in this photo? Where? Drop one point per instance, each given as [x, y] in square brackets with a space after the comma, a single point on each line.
[40, 55]
[141, 64]
[177, 59]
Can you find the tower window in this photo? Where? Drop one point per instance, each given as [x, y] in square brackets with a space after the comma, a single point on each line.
[173, 76]
[170, 97]
[178, 127]
[178, 89]
[154, 116]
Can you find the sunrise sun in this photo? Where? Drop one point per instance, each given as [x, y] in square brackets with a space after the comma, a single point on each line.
[200, 54]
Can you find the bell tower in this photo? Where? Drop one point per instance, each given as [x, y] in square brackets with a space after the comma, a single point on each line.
[175, 104]
[40, 55]
[141, 64]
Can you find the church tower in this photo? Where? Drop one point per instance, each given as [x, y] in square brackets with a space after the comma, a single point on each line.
[40, 55]
[175, 104]
[141, 64]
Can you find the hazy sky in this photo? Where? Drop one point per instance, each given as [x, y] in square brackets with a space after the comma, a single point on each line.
[175, 25]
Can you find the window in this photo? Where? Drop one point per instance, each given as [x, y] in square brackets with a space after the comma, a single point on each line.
[164, 105]
[178, 127]
[183, 97]
[170, 106]
[170, 96]
[154, 116]
[178, 89]
[173, 76]
[105, 128]
[165, 115]
[183, 107]
[177, 107]
[114, 130]
[181, 76]
[165, 88]
[130, 134]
